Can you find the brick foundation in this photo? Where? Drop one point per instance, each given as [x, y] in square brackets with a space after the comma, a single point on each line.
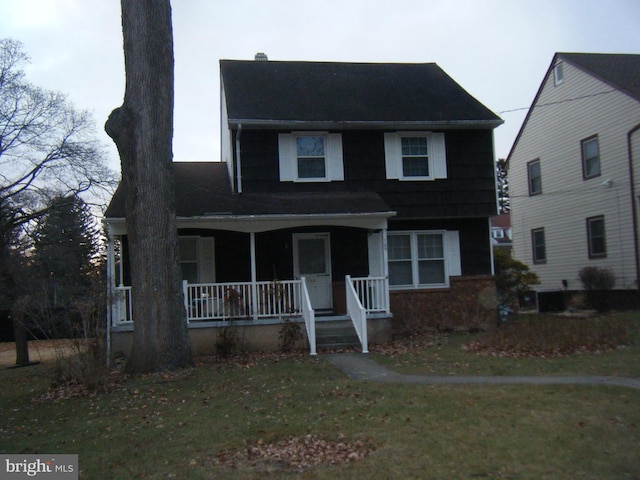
[468, 304]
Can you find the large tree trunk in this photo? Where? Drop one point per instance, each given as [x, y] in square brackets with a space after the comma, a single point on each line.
[142, 129]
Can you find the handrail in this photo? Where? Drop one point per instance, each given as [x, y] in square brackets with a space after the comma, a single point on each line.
[121, 309]
[308, 314]
[357, 313]
[373, 293]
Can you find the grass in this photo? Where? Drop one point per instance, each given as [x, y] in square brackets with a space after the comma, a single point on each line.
[529, 346]
[177, 425]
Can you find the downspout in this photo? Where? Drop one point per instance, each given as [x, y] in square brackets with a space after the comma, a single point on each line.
[634, 209]
[238, 164]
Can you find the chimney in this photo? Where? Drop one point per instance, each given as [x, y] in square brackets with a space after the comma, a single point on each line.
[261, 57]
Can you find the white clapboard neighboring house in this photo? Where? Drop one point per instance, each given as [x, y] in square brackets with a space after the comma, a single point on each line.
[574, 173]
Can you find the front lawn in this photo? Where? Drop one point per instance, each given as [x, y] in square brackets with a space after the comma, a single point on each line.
[529, 345]
[296, 416]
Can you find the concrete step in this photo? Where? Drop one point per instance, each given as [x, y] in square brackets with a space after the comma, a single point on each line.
[336, 335]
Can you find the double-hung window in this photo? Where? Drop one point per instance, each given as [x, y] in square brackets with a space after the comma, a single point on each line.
[421, 259]
[534, 175]
[415, 155]
[590, 157]
[538, 245]
[197, 259]
[310, 157]
[596, 237]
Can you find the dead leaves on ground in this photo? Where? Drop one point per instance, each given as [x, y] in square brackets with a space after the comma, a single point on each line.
[295, 453]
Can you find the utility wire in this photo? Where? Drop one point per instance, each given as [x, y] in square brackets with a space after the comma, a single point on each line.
[560, 101]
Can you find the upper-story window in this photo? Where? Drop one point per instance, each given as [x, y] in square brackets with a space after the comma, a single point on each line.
[590, 157]
[534, 174]
[558, 75]
[310, 157]
[415, 155]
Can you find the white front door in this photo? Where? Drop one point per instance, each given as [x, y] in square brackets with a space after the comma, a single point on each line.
[312, 260]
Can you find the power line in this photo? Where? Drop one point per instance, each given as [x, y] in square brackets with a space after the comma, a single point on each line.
[560, 101]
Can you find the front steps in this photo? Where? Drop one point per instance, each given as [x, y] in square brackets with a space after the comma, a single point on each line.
[336, 335]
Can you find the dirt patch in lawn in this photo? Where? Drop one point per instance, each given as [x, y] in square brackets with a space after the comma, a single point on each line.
[39, 351]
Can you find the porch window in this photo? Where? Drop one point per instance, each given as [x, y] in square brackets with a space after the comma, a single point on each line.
[197, 259]
[310, 157]
[422, 258]
[415, 155]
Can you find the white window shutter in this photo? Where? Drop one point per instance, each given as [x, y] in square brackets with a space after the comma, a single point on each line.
[375, 254]
[439, 155]
[335, 164]
[454, 259]
[287, 156]
[392, 155]
[207, 260]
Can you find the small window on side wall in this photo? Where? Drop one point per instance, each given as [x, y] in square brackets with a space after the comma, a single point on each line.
[596, 237]
[534, 174]
[558, 75]
[590, 157]
[538, 245]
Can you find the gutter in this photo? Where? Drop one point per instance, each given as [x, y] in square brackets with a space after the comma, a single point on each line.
[634, 200]
[358, 124]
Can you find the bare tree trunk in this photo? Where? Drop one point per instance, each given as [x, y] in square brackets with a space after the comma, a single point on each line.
[142, 129]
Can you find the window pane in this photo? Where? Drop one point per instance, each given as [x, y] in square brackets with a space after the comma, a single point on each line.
[311, 256]
[399, 247]
[189, 271]
[415, 166]
[414, 146]
[535, 177]
[591, 158]
[431, 272]
[539, 248]
[310, 146]
[597, 238]
[430, 246]
[188, 249]
[311, 168]
[400, 273]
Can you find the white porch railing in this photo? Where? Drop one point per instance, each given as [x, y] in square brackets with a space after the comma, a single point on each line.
[373, 293]
[358, 313]
[222, 301]
[309, 315]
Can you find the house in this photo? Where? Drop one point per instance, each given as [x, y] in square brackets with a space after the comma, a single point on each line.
[573, 175]
[354, 192]
[501, 231]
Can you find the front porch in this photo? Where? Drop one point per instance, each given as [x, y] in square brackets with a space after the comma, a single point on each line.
[261, 304]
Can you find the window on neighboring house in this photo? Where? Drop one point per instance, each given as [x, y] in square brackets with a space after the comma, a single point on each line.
[535, 177]
[497, 233]
[415, 155]
[422, 259]
[310, 157]
[596, 237]
[590, 157]
[539, 246]
[558, 75]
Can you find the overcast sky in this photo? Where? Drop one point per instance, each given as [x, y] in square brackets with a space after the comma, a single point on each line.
[498, 50]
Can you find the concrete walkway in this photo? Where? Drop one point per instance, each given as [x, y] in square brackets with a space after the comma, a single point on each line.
[358, 366]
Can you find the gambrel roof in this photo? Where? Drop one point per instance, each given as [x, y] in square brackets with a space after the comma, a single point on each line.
[621, 71]
[274, 93]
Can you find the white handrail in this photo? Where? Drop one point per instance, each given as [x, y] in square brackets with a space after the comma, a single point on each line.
[357, 313]
[373, 293]
[121, 310]
[308, 314]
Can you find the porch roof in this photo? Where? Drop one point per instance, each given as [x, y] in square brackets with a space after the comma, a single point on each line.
[203, 194]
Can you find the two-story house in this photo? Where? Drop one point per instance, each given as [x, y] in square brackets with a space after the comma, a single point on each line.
[573, 175]
[354, 191]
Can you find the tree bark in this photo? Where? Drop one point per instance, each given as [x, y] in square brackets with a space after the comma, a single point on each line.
[142, 129]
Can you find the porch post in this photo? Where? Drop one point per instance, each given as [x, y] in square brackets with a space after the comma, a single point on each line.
[110, 292]
[254, 276]
[385, 269]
